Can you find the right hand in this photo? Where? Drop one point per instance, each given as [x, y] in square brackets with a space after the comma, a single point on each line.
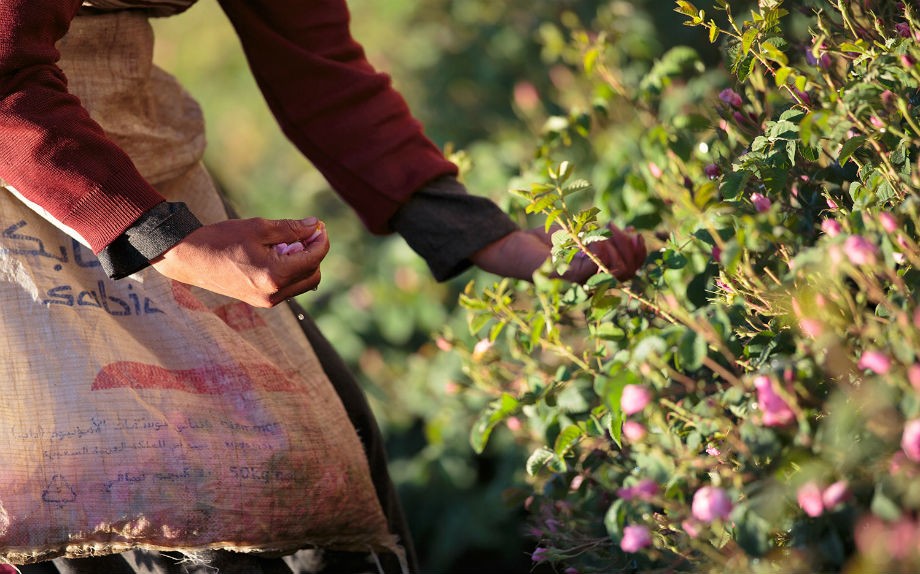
[237, 258]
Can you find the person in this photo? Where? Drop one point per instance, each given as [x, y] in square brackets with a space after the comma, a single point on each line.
[107, 148]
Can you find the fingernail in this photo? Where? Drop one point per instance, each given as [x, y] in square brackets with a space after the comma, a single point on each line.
[314, 237]
[309, 220]
[280, 247]
[295, 247]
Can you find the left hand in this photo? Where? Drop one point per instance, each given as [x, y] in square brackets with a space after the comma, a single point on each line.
[520, 253]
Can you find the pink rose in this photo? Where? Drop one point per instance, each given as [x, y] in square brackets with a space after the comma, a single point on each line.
[910, 440]
[875, 361]
[835, 494]
[713, 451]
[809, 497]
[776, 411]
[730, 97]
[635, 398]
[635, 538]
[860, 250]
[831, 227]
[913, 375]
[691, 527]
[646, 489]
[710, 503]
[634, 431]
[761, 202]
[889, 222]
[811, 327]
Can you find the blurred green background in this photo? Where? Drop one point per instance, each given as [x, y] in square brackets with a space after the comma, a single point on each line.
[484, 77]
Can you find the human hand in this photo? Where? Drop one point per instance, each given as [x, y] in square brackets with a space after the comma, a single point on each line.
[520, 253]
[238, 258]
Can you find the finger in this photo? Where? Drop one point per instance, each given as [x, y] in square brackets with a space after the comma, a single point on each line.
[641, 251]
[299, 260]
[310, 283]
[630, 246]
[611, 254]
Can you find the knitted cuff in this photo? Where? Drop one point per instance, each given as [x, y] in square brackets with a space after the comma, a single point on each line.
[150, 236]
[445, 225]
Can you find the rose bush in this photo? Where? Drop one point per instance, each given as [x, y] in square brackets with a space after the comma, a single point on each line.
[749, 402]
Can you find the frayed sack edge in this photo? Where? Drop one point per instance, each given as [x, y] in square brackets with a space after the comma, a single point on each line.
[279, 549]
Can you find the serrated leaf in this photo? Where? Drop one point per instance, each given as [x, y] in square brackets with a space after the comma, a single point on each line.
[568, 438]
[478, 322]
[849, 147]
[540, 204]
[733, 184]
[496, 330]
[551, 218]
[495, 413]
[541, 458]
[692, 350]
[782, 75]
[747, 39]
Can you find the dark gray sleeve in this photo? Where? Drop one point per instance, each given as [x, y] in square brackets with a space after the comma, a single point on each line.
[445, 225]
[153, 233]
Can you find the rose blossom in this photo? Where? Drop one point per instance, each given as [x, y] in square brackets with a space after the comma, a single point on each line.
[710, 503]
[635, 538]
[634, 431]
[761, 202]
[691, 527]
[860, 250]
[835, 494]
[810, 499]
[910, 440]
[831, 227]
[889, 222]
[776, 411]
[730, 97]
[875, 361]
[634, 399]
[913, 375]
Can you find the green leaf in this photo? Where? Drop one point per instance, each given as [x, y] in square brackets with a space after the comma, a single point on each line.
[849, 147]
[713, 31]
[495, 413]
[733, 183]
[692, 350]
[567, 439]
[884, 507]
[782, 75]
[747, 39]
[541, 458]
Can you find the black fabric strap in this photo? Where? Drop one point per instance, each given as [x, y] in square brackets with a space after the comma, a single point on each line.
[445, 225]
[152, 234]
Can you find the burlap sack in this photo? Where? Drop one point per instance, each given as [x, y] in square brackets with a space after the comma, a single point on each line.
[145, 413]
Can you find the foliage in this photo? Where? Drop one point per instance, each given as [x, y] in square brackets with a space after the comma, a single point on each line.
[750, 401]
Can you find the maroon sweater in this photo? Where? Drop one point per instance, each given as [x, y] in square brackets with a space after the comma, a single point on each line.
[341, 113]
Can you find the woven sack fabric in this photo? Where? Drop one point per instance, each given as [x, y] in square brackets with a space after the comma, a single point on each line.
[146, 413]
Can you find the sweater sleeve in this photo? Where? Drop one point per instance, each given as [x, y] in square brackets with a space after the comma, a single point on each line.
[341, 113]
[51, 151]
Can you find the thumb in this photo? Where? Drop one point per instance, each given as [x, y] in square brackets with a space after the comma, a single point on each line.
[290, 230]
